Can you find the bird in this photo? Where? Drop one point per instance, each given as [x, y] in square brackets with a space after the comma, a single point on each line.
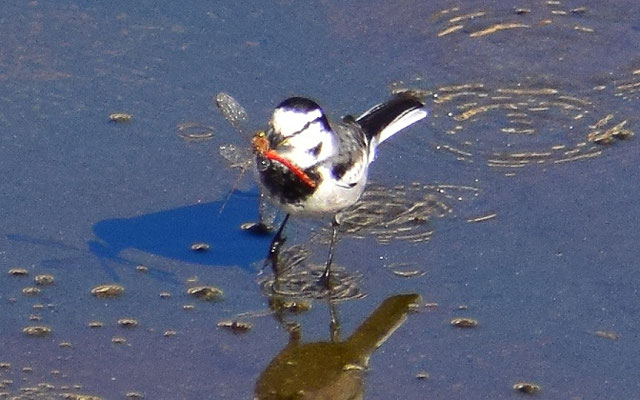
[308, 166]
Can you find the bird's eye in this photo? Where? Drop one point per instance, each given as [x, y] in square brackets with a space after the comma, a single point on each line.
[315, 150]
[262, 164]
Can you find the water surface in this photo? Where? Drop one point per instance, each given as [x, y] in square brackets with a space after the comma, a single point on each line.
[517, 90]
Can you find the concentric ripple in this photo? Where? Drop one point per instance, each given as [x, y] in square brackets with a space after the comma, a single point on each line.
[300, 279]
[403, 212]
[479, 22]
[511, 127]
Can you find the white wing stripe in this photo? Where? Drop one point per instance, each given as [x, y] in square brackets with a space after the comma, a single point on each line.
[403, 121]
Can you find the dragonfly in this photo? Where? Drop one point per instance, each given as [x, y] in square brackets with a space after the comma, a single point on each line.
[241, 157]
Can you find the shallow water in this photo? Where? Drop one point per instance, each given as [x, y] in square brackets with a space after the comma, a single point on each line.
[533, 107]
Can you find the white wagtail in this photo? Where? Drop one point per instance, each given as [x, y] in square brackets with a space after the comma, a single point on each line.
[307, 166]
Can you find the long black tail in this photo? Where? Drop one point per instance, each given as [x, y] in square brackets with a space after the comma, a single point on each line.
[384, 120]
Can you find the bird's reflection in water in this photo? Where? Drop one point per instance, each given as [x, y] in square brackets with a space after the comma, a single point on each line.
[334, 369]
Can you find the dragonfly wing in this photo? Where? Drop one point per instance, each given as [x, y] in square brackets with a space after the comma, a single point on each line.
[237, 157]
[241, 157]
[233, 112]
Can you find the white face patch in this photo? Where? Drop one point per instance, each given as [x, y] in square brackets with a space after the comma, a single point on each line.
[299, 148]
[288, 121]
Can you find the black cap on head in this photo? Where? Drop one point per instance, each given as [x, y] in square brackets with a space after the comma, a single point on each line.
[300, 104]
[295, 114]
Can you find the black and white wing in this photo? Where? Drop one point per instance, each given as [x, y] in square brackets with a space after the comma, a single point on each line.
[384, 120]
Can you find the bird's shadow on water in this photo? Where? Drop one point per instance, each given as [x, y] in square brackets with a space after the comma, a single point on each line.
[171, 233]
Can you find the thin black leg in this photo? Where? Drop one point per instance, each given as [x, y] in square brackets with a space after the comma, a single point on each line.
[325, 279]
[274, 248]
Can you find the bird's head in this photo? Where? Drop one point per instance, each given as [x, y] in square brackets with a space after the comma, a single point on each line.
[299, 131]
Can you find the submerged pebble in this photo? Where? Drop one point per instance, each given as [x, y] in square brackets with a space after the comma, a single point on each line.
[607, 335]
[235, 326]
[464, 322]
[205, 292]
[31, 291]
[200, 247]
[120, 117]
[107, 291]
[37, 330]
[18, 271]
[44, 279]
[422, 375]
[127, 322]
[526, 387]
